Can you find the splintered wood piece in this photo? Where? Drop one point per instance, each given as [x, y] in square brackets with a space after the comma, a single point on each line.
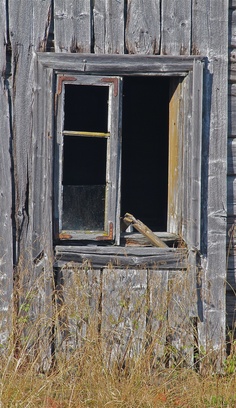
[143, 229]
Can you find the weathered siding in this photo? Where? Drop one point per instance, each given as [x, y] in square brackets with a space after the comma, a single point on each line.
[210, 37]
[28, 30]
[111, 27]
[6, 239]
[231, 207]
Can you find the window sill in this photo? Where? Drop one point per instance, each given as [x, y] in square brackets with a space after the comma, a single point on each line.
[122, 256]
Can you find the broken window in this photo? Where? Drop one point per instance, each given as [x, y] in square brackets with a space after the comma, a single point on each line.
[127, 144]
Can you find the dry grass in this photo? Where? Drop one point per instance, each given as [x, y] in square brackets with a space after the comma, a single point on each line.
[84, 381]
[83, 377]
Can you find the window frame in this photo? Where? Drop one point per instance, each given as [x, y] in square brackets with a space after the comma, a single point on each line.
[184, 197]
[113, 137]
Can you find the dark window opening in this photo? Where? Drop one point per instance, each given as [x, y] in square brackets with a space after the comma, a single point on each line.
[86, 108]
[84, 183]
[145, 150]
[84, 158]
[88, 158]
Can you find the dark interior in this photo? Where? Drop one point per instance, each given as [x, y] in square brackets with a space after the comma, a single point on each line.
[86, 108]
[144, 144]
[145, 150]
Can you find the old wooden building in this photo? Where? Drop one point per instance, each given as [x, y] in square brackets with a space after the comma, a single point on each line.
[112, 107]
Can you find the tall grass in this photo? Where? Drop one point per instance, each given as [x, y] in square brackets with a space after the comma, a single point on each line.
[57, 357]
[84, 381]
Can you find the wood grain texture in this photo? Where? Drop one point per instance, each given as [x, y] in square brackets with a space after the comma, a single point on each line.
[175, 159]
[108, 21]
[120, 257]
[195, 158]
[123, 314]
[119, 64]
[72, 26]
[210, 37]
[231, 195]
[77, 299]
[232, 71]
[157, 316]
[180, 339]
[6, 239]
[232, 29]
[28, 26]
[231, 156]
[232, 110]
[142, 32]
[176, 27]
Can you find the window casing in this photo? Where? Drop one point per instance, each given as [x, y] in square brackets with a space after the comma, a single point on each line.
[185, 121]
[87, 162]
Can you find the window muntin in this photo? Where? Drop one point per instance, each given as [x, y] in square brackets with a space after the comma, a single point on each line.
[87, 137]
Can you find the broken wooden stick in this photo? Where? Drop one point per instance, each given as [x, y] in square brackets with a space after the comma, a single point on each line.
[143, 229]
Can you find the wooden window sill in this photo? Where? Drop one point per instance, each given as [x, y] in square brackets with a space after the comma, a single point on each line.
[121, 256]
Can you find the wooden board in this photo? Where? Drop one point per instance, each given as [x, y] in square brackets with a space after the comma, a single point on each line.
[161, 258]
[176, 27]
[123, 314]
[72, 26]
[142, 32]
[180, 330]
[108, 22]
[231, 156]
[77, 316]
[120, 64]
[232, 31]
[210, 37]
[157, 317]
[6, 239]
[231, 205]
[28, 25]
[232, 109]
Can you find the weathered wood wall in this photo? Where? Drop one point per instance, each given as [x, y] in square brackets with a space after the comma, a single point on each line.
[6, 239]
[231, 254]
[115, 27]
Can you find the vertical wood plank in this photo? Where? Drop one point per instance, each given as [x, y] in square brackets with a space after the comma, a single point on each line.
[157, 316]
[28, 27]
[210, 38]
[180, 331]
[192, 145]
[176, 27]
[108, 19]
[142, 32]
[175, 159]
[6, 239]
[72, 26]
[123, 314]
[77, 305]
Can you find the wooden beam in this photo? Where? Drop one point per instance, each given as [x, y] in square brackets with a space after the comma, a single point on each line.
[101, 256]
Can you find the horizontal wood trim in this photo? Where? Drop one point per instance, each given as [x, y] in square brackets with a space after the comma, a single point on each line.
[101, 256]
[119, 64]
[85, 134]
